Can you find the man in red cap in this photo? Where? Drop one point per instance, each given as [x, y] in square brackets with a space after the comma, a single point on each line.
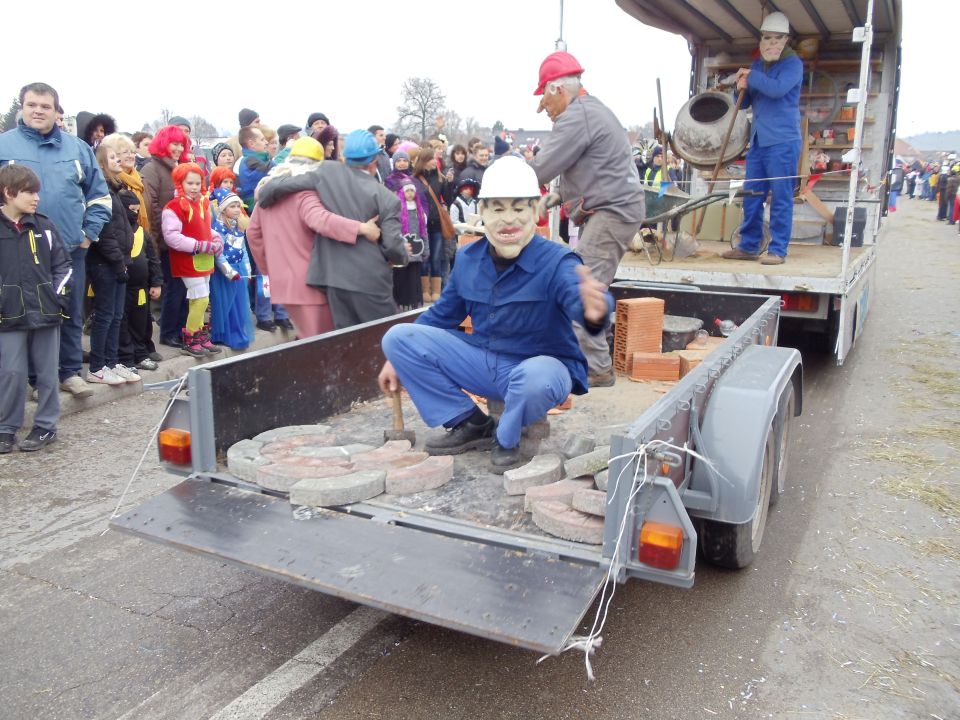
[599, 183]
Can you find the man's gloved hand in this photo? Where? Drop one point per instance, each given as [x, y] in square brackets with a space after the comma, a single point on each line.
[550, 200]
[208, 247]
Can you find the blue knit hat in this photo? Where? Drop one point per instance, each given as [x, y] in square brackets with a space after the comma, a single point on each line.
[500, 146]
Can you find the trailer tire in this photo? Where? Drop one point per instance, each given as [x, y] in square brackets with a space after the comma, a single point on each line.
[783, 422]
[735, 545]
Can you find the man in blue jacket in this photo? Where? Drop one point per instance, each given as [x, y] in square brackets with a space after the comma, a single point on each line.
[522, 293]
[73, 194]
[772, 87]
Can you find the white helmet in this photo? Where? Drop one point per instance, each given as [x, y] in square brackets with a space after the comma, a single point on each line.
[509, 177]
[776, 23]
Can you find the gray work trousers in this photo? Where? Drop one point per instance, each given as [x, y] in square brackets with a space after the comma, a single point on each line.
[42, 348]
[603, 241]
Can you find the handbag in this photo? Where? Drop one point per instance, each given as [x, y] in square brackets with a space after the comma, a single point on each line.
[446, 224]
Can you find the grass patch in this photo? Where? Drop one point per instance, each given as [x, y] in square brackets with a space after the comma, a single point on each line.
[926, 492]
[902, 455]
[948, 433]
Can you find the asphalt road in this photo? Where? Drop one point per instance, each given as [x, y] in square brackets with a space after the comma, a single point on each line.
[850, 610]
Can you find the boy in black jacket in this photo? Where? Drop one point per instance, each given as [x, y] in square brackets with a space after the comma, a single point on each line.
[34, 274]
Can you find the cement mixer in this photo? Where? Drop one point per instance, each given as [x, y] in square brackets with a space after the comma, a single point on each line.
[700, 128]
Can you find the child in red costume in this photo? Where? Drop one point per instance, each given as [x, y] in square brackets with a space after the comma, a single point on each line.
[193, 246]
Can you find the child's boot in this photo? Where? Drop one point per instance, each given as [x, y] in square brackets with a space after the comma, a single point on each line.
[205, 341]
[191, 344]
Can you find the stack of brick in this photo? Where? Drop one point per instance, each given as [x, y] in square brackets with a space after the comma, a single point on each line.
[570, 508]
[639, 329]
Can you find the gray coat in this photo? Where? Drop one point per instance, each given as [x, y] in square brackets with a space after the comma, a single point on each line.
[352, 193]
[588, 149]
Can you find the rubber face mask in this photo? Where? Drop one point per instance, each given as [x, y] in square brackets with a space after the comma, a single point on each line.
[510, 224]
[771, 46]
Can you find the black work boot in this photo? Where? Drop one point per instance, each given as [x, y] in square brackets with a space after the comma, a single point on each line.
[6, 443]
[463, 437]
[503, 459]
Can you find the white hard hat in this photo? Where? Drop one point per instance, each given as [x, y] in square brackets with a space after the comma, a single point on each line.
[509, 177]
[776, 23]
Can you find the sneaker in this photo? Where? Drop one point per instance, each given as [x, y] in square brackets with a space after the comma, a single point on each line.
[37, 439]
[147, 364]
[285, 324]
[104, 376]
[606, 379]
[203, 336]
[463, 437]
[6, 443]
[738, 254]
[76, 386]
[155, 356]
[125, 373]
[268, 325]
[770, 259]
[503, 459]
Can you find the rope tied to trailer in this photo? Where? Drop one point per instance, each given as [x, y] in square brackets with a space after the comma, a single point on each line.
[592, 640]
[143, 456]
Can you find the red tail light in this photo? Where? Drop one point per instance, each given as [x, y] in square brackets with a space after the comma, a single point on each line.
[801, 302]
[660, 545]
[175, 446]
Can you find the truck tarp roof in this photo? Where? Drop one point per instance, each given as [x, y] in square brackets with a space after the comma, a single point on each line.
[725, 22]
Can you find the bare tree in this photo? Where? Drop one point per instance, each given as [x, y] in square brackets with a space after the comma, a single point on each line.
[423, 101]
[9, 120]
[202, 130]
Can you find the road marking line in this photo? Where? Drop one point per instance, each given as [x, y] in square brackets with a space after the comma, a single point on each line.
[263, 697]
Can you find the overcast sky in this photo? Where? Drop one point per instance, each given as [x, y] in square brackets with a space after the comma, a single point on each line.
[349, 59]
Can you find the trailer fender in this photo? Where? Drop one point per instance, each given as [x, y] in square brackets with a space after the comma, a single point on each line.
[739, 415]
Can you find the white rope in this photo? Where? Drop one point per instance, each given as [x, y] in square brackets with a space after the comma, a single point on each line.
[593, 639]
[812, 175]
[143, 457]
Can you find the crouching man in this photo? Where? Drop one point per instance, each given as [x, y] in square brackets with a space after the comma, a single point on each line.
[522, 293]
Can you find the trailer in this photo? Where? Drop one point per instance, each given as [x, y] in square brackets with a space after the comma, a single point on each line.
[849, 108]
[702, 460]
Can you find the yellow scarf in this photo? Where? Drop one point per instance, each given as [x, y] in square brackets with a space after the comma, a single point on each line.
[134, 183]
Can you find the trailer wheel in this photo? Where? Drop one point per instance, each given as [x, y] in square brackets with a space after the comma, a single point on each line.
[734, 546]
[788, 406]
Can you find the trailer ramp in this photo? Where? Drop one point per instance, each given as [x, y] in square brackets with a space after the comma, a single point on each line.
[530, 600]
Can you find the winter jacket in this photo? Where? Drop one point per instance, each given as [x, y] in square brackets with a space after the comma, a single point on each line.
[34, 273]
[438, 186]
[473, 170]
[254, 167]
[352, 193]
[73, 192]
[383, 165]
[183, 224]
[116, 238]
[773, 90]
[298, 219]
[461, 209]
[158, 190]
[589, 150]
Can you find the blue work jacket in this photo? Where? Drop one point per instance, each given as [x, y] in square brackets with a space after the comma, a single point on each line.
[73, 191]
[774, 93]
[526, 311]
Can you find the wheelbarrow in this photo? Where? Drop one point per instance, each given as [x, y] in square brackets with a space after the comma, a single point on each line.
[673, 203]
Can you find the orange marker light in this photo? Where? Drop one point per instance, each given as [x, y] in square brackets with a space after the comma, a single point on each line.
[175, 446]
[660, 545]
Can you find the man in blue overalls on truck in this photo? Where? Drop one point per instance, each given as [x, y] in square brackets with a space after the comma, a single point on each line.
[772, 87]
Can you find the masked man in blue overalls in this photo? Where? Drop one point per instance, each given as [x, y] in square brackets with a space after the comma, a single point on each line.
[772, 86]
